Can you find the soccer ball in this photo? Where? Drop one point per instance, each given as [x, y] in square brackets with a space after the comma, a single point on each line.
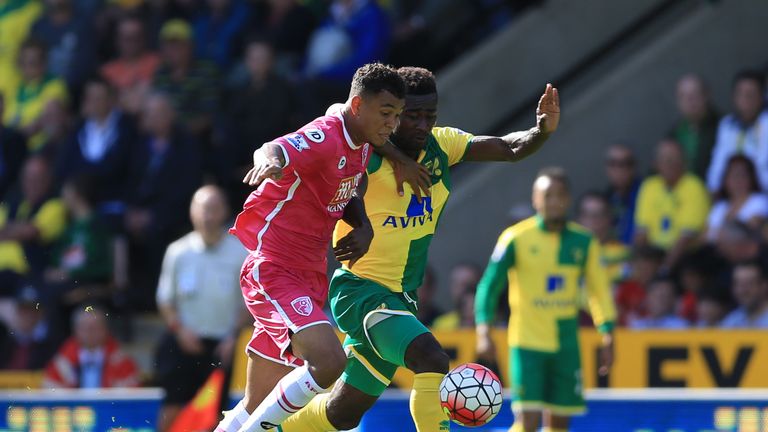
[471, 394]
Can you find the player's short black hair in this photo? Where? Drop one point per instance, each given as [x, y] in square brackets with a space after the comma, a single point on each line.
[555, 173]
[418, 81]
[750, 75]
[374, 78]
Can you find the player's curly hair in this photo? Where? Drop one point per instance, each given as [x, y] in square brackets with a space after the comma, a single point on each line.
[374, 78]
[418, 81]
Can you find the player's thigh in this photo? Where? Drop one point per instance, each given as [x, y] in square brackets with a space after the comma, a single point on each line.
[284, 304]
[319, 346]
[353, 299]
[366, 371]
[528, 378]
[261, 377]
[564, 395]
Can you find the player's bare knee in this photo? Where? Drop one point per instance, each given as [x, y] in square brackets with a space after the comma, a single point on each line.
[327, 365]
[425, 354]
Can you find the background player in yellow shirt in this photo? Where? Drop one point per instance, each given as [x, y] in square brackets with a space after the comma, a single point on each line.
[546, 261]
[374, 300]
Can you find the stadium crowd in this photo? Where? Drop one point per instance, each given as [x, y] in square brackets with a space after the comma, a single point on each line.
[116, 114]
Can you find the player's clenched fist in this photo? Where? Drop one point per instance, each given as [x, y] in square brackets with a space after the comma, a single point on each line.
[268, 162]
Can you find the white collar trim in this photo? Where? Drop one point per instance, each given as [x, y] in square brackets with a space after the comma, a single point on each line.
[350, 143]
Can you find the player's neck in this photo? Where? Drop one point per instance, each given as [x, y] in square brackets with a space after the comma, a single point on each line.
[350, 123]
[409, 151]
[553, 225]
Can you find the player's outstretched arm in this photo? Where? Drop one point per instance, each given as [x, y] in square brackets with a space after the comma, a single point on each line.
[268, 162]
[519, 145]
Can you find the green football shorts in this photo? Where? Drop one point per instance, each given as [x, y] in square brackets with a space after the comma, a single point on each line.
[379, 325]
[547, 380]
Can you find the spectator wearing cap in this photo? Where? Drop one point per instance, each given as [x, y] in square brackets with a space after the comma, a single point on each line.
[91, 358]
[33, 341]
[190, 83]
[750, 290]
[132, 71]
[32, 93]
[672, 206]
[745, 131]
[622, 190]
[200, 300]
[29, 225]
[101, 147]
[696, 128]
[661, 300]
[13, 152]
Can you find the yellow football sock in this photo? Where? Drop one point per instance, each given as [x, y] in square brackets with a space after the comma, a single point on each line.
[426, 411]
[549, 429]
[517, 427]
[311, 418]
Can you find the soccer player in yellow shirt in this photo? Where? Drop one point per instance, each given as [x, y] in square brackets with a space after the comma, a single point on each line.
[374, 300]
[545, 260]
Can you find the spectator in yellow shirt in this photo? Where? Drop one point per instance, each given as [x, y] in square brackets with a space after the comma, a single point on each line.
[27, 100]
[29, 225]
[672, 206]
[16, 18]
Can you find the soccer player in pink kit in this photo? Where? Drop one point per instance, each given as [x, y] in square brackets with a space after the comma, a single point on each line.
[306, 179]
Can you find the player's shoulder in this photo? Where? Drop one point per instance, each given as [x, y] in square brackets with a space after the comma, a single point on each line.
[520, 229]
[322, 130]
[448, 132]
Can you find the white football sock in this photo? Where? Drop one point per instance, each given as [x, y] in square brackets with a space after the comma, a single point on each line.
[233, 419]
[290, 395]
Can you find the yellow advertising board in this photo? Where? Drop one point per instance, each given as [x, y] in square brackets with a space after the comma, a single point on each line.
[691, 358]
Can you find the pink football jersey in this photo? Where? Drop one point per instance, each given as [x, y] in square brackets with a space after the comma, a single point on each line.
[290, 221]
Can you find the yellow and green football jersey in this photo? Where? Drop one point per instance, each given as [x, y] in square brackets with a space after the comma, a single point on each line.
[545, 271]
[403, 226]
